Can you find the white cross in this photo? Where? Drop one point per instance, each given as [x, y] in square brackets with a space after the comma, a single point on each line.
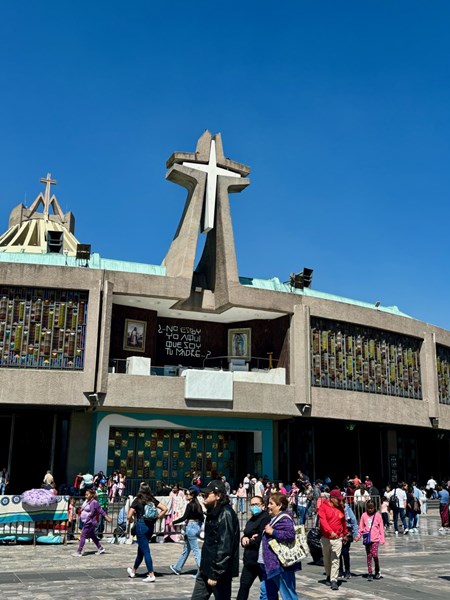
[212, 171]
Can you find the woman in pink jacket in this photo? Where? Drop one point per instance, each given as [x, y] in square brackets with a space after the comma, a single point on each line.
[371, 523]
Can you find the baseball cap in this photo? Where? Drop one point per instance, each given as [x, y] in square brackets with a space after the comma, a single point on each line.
[336, 494]
[102, 481]
[214, 486]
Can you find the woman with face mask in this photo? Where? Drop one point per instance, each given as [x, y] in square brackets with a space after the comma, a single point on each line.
[251, 541]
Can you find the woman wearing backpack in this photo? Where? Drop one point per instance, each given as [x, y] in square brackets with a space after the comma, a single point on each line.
[144, 510]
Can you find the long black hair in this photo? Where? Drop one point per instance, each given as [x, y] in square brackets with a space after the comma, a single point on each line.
[144, 495]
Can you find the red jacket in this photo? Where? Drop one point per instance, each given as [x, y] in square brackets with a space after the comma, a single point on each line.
[332, 519]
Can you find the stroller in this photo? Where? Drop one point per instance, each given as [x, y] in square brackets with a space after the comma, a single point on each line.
[120, 532]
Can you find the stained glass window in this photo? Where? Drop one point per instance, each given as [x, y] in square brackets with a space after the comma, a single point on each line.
[443, 373]
[42, 328]
[352, 357]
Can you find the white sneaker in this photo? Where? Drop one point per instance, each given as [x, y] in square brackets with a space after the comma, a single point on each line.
[406, 532]
[100, 551]
[441, 529]
[77, 554]
[396, 532]
[149, 579]
[174, 570]
[131, 573]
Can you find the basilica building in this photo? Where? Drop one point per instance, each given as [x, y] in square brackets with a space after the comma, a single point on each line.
[160, 370]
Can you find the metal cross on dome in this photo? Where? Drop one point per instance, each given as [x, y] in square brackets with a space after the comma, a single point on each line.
[212, 171]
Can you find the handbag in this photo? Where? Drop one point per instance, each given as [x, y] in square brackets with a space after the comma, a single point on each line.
[366, 538]
[290, 553]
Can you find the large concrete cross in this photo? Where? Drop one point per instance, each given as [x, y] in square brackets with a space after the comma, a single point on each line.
[213, 171]
[48, 182]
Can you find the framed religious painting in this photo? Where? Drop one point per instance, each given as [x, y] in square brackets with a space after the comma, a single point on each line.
[240, 343]
[134, 335]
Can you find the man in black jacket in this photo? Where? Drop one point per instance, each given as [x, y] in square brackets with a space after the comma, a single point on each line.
[251, 541]
[220, 552]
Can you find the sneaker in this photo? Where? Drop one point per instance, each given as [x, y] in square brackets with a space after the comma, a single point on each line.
[100, 551]
[77, 554]
[378, 576]
[149, 579]
[406, 532]
[396, 533]
[334, 585]
[174, 570]
[341, 574]
[347, 575]
[369, 577]
[131, 573]
[441, 529]
[327, 581]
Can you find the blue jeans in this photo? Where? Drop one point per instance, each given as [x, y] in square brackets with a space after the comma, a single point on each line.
[284, 583]
[2, 489]
[301, 515]
[190, 544]
[399, 512]
[241, 504]
[412, 519]
[144, 534]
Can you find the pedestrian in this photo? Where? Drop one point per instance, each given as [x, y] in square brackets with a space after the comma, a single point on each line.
[226, 484]
[193, 518]
[71, 518]
[397, 502]
[175, 509]
[352, 526]
[385, 512]
[90, 513]
[121, 486]
[144, 512]
[412, 509]
[241, 494]
[4, 480]
[251, 541]
[302, 505]
[371, 524]
[281, 527]
[220, 553]
[259, 487]
[443, 496]
[102, 497]
[333, 528]
[247, 483]
[293, 499]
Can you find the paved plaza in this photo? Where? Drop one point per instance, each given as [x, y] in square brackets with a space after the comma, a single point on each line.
[413, 566]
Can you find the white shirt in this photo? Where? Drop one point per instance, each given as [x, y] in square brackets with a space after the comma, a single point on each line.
[431, 484]
[401, 495]
[361, 496]
[246, 482]
[259, 489]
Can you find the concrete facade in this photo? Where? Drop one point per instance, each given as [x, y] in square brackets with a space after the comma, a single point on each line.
[212, 295]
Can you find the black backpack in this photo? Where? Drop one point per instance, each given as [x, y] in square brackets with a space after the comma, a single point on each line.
[393, 501]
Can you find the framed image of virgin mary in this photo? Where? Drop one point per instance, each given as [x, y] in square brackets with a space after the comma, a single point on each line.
[240, 343]
[134, 335]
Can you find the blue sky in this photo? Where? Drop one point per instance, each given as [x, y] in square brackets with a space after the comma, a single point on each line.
[341, 109]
